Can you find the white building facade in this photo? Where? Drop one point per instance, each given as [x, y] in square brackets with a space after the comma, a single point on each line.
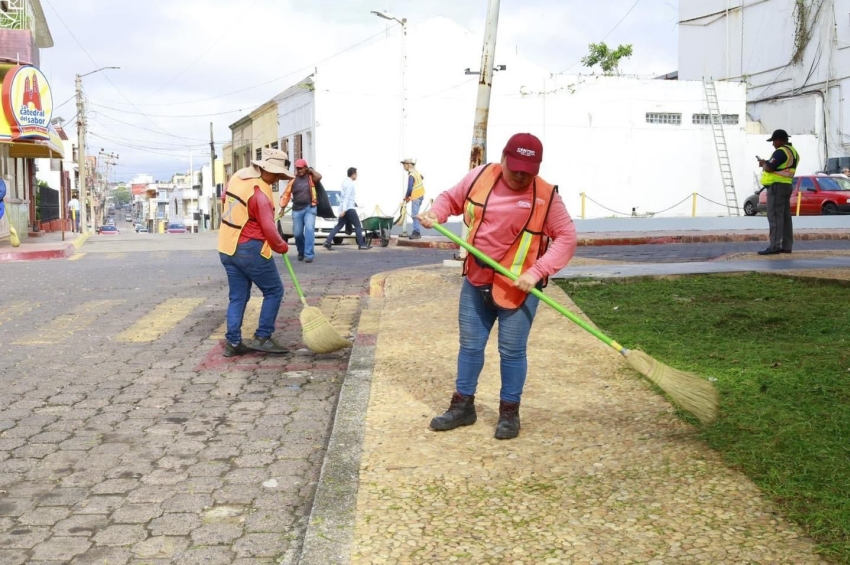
[629, 145]
[793, 56]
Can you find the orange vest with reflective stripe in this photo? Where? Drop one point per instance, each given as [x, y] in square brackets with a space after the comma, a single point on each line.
[530, 243]
[287, 192]
[234, 213]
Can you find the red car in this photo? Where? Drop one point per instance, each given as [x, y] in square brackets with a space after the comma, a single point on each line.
[821, 194]
[108, 230]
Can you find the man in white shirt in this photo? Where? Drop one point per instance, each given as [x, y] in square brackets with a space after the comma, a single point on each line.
[74, 207]
[348, 213]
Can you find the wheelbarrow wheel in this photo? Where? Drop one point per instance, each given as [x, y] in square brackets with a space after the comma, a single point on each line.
[385, 237]
[337, 241]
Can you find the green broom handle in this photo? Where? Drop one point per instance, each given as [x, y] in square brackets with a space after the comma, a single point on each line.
[294, 280]
[581, 323]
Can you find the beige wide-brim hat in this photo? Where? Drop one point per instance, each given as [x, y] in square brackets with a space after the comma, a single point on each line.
[409, 161]
[276, 162]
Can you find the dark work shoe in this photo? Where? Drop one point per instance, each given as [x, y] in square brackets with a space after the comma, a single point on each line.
[266, 345]
[328, 246]
[300, 257]
[231, 350]
[768, 252]
[310, 260]
[785, 251]
[508, 426]
[415, 235]
[461, 412]
[362, 247]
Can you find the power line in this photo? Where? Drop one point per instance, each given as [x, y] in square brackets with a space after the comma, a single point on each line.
[607, 34]
[95, 104]
[107, 116]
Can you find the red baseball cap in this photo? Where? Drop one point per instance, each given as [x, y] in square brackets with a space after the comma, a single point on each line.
[300, 163]
[524, 153]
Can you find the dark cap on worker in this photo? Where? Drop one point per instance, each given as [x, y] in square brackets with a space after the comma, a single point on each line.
[780, 135]
[524, 153]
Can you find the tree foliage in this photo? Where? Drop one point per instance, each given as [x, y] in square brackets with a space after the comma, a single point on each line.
[121, 196]
[607, 59]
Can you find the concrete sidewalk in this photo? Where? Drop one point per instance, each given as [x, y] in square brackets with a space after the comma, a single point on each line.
[603, 471]
[47, 246]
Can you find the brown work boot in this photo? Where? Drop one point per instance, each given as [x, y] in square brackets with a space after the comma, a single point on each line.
[461, 412]
[508, 426]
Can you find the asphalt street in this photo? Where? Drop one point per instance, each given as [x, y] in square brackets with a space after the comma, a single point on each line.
[125, 436]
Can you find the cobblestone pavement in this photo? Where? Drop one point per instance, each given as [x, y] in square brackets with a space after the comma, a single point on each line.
[125, 436]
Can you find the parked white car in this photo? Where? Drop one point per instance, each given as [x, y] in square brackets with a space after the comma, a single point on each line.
[323, 226]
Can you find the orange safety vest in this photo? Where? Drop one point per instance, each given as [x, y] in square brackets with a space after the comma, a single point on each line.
[287, 192]
[530, 243]
[234, 214]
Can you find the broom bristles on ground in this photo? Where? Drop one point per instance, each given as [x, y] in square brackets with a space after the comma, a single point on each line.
[688, 391]
[13, 237]
[318, 333]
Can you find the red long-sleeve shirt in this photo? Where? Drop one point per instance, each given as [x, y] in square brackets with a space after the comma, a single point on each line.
[260, 224]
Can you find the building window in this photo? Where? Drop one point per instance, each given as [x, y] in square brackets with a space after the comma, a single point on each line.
[664, 118]
[298, 148]
[259, 153]
[284, 145]
[705, 119]
[274, 145]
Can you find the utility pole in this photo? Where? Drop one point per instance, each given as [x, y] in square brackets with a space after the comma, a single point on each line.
[478, 155]
[108, 161]
[213, 199]
[81, 155]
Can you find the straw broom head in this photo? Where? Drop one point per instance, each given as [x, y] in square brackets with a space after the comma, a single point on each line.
[13, 237]
[687, 390]
[318, 334]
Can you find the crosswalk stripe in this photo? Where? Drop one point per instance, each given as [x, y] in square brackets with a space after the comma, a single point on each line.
[15, 310]
[250, 320]
[160, 320]
[66, 325]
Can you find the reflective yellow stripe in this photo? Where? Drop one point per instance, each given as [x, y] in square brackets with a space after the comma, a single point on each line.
[470, 211]
[521, 253]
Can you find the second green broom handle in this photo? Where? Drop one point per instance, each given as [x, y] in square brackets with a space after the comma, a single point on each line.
[499, 268]
[294, 279]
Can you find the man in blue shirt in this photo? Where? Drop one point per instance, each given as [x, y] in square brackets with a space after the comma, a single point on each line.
[348, 213]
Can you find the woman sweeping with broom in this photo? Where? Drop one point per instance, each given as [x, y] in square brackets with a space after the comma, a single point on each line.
[512, 214]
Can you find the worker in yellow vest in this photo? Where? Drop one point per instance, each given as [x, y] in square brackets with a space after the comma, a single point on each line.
[246, 239]
[778, 177]
[415, 193]
[512, 215]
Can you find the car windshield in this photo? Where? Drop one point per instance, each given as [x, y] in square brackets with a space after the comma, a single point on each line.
[334, 197]
[176, 227]
[109, 228]
[834, 183]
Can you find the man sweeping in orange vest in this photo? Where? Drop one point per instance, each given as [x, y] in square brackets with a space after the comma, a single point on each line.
[512, 215]
[246, 240]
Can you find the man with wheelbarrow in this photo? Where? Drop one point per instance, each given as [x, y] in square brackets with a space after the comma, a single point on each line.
[348, 213]
[512, 215]
[246, 240]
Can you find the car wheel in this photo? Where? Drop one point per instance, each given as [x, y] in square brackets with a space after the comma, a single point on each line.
[749, 209]
[830, 209]
[337, 241]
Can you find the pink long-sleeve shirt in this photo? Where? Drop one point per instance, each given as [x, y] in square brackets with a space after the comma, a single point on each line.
[506, 214]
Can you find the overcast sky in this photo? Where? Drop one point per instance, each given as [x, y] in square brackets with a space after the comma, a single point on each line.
[186, 63]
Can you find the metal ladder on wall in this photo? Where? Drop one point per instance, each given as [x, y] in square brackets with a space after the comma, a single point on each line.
[720, 147]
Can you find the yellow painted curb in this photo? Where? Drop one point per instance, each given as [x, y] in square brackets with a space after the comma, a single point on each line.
[81, 239]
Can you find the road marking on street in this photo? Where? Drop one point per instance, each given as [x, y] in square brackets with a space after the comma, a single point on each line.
[66, 325]
[76, 256]
[115, 255]
[251, 319]
[15, 310]
[160, 321]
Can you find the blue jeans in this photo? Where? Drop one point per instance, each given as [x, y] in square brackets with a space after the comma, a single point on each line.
[244, 267]
[414, 210]
[352, 218]
[304, 226]
[476, 320]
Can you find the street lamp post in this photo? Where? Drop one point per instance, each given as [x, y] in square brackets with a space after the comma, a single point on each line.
[403, 23]
[81, 147]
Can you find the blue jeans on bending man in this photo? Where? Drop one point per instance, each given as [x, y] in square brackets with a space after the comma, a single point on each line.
[245, 268]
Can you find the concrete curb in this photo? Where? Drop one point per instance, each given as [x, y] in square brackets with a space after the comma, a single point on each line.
[80, 241]
[330, 528]
[37, 254]
[440, 243]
